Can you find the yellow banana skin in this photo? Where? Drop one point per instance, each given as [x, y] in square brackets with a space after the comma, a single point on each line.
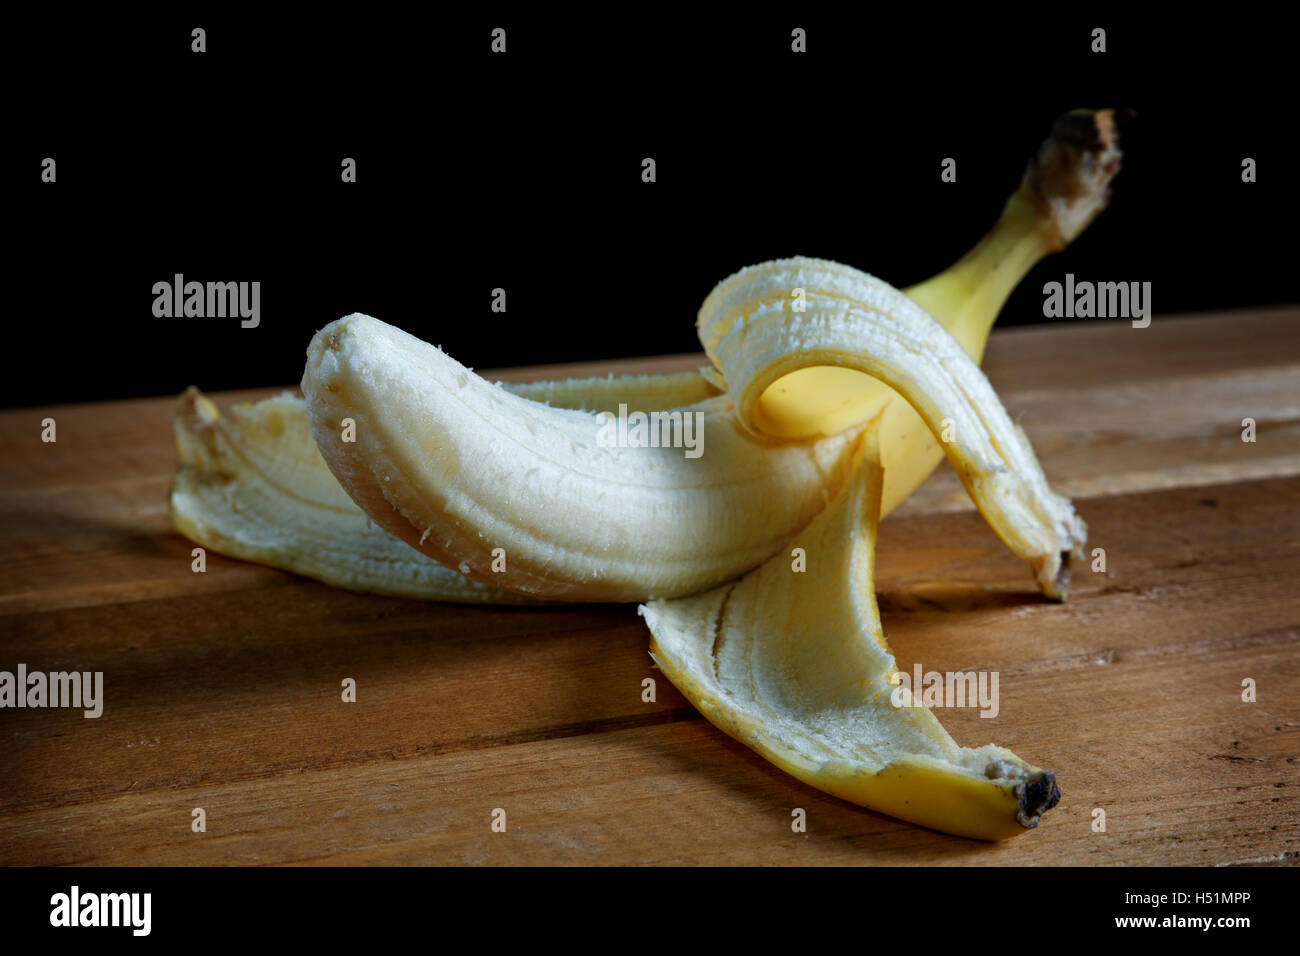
[794, 665]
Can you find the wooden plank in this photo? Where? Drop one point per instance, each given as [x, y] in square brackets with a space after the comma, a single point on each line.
[1106, 351]
[241, 708]
[683, 793]
[223, 689]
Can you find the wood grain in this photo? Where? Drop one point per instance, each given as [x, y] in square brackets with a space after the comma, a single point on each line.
[223, 688]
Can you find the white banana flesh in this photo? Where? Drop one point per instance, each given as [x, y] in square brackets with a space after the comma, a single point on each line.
[459, 468]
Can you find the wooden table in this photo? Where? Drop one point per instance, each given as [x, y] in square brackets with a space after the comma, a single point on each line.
[223, 689]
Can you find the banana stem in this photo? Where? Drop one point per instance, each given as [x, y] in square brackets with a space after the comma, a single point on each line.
[1064, 188]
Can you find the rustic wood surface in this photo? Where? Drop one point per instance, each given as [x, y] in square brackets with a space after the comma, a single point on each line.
[222, 689]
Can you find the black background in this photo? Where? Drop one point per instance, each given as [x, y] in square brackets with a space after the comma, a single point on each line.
[522, 171]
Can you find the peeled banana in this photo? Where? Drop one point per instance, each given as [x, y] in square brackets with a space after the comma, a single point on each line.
[1064, 187]
[832, 395]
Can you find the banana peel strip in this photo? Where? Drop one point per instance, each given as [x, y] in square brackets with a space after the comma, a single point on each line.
[758, 329]
[251, 484]
[794, 666]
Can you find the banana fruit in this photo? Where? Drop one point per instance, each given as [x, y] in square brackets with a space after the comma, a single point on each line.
[219, 501]
[794, 666]
[832, 395]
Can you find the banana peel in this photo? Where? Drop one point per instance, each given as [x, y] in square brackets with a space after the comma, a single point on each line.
[251, 484]
[791, 317]
[793, 664]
